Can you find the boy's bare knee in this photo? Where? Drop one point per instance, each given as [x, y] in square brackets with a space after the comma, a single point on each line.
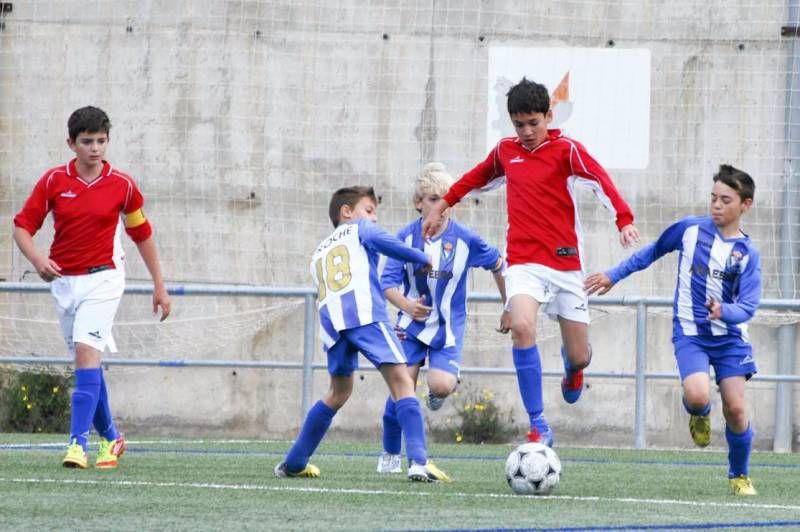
[442, 388]
[523, 334]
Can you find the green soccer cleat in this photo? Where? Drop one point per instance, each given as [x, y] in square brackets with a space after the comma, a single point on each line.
[109, 453]
[310, 471]
[427, 473]
[742, 485]
[700, 429]
[76, 457]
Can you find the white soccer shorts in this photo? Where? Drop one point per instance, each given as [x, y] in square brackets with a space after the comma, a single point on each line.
[559, 292]
[86, 306]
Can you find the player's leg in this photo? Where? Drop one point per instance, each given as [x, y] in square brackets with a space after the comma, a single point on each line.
[693, 366]
[83, 402]
[733, 368]
[100, 297]
[576, 353]
[409, 414]
[528, 365]
[342, 362]
[738, 434]
[443, 374]
[390, 460]
[570, 306]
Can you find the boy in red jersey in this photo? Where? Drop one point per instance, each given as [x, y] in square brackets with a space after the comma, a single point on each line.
[541, 168]
[90, 202]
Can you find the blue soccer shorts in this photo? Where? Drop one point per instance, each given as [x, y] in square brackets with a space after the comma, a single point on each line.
[377, 341]
[728, 360]
[445, 359]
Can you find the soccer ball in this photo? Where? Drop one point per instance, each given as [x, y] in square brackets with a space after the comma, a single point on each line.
[533, 469]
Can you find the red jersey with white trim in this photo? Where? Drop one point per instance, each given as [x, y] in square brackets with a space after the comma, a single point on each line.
[543, 224]
[86, 217]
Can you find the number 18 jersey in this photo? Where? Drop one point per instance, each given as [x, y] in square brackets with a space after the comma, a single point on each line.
[345, 270]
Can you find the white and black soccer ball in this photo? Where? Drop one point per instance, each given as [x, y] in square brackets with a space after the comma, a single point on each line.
[533, 469]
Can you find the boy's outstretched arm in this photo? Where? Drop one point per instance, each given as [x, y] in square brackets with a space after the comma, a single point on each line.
[147, 249]
[391, 246]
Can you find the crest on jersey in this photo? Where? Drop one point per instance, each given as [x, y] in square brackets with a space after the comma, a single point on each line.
[734, 262]
[447, 252]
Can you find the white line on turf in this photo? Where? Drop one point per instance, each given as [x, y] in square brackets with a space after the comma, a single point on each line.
[58, 445]
[307, 489]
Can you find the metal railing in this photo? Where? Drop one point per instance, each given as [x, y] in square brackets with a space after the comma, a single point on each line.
[307, 366]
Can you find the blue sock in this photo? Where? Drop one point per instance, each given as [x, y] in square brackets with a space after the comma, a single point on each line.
[103, 422]
[739, 446]
[409, 414]
[314, 428]
[392, 433]
[84, 403]
[529, 377]
[704, 411]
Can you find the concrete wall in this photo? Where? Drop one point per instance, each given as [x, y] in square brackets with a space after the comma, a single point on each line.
[238, 119]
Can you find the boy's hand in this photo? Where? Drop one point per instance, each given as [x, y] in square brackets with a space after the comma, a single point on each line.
[629, 236]
[161, 299]
[46, 268]
[434, 219]
[417, 309]
[597, 282]
[714, 309]
[505, 323]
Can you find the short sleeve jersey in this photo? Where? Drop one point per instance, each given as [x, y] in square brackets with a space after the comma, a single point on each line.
[87, 216]
[345, 270]
[452, 253]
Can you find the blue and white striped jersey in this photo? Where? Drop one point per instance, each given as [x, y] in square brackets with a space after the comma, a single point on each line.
[445, 287]
[344, 269]
[709, 265]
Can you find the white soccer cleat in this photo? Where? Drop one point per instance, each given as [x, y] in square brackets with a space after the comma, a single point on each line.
[390, 463]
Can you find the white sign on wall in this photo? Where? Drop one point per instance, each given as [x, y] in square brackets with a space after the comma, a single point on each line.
[601, 97]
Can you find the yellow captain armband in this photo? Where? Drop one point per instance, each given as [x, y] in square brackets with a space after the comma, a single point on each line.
[135, 219]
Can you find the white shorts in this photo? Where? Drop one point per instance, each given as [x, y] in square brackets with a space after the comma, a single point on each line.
[561, 293]
[86, 306]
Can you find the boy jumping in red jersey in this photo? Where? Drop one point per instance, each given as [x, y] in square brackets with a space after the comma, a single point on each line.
[89, 200]
[541, 168]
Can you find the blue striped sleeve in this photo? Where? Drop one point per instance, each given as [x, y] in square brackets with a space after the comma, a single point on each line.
[749, 293]
[375, 238]
[670, 240]
[483, 255]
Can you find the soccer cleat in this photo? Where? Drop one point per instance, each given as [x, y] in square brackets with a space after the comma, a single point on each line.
[545, 438]
[572, 383]
[76, 457]
[390, 463]
[434, 403]
[427, 473]
[700, 429]
[742, 485]
[109, 453]
[309, 471]
[540, 432]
